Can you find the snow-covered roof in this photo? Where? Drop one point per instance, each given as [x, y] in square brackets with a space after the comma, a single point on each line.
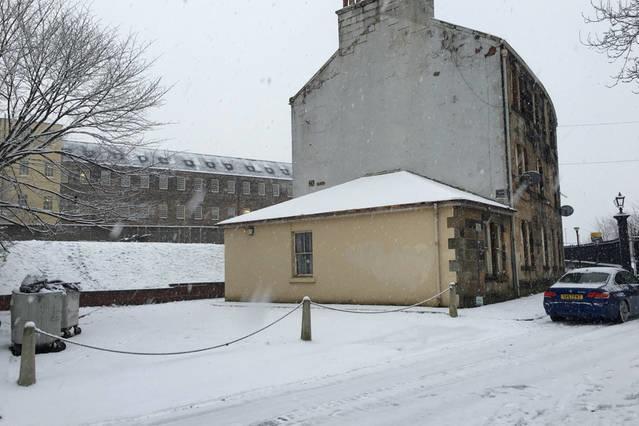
[175, 160]
[370, 192]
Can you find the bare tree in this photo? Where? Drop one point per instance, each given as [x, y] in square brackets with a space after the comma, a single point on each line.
[609, 228]
[63, 76]
[619, 41]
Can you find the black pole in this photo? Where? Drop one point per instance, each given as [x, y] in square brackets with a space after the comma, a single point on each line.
[624, 241]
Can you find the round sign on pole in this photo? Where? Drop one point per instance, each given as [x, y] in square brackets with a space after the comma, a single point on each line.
[567, 211]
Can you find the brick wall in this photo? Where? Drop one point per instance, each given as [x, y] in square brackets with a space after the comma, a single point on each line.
[176, 293]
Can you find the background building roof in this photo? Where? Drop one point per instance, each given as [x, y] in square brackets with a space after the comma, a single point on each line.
[156, 158]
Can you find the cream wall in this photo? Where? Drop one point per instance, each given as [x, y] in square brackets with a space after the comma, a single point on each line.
[376, 258]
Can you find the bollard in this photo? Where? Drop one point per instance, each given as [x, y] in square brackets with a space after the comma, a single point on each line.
[306, 319]
[27, 358]
[452, 300]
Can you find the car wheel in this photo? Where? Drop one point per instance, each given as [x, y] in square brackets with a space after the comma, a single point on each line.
[556, 318]
[624, 312]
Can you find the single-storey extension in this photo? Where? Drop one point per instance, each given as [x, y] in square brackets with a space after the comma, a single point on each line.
[395, 238]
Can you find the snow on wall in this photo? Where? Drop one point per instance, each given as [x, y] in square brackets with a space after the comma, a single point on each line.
[113, 265]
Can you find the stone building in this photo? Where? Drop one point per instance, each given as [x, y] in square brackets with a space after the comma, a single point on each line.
[165, 195]
[405, 90]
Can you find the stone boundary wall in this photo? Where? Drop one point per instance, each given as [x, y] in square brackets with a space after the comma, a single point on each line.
[175, 293]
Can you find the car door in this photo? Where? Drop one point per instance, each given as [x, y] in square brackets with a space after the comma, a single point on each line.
[632, 283]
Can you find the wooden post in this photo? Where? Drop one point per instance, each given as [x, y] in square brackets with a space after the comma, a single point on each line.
[27, 358]
[452, 300]
[306, 319]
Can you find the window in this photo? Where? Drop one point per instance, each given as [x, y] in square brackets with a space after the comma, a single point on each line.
[250, 167]
[144, 182]
[289, 190]
[245, 210]
[544, 247]
[47, 204]
[246, 188]
[198, 184]
[542, 183]
[163, 211]
[228, 166]
[22, 200]
[164, 182]
[163, 160]
[230, 212]
[105, 177]
[181, 183]
[230, 187]
[85, 177]
[261, 188]
[525, 240]
[24, 168]
[197, 213]
[276, 190]
[210, 164]
[303, 242]
[142, 158]
[64, 177]
[125, 181]
[48, 169]
[285, 171]
[494, 248]
[189, 163]
[124, 212]
[180, 212]
[215, 213]
[215, 185]
[269, 170]
[585, 278]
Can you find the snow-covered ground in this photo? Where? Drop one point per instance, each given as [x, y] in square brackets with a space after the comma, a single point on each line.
[503, 364]
[112, 265]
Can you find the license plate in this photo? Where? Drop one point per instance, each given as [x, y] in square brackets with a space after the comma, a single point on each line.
[572, 297]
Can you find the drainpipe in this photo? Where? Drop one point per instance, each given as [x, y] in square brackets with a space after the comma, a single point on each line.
[438, 255]
[509, 167]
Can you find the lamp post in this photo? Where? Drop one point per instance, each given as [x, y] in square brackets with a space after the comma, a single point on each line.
[624, 238]
[578, 247]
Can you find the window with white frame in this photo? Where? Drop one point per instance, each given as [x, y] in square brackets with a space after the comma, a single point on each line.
[246, 188]
[215, 185]
[261, 189]
[303, 245]
[105, 177]
[230, 212]
[48, 169]
[276, 190]
[47, 203]
[24, 168]
[125, 181]
[163, 211]
[85, 177]
[144, 181]
[230, 187]
[215, 213]
[197, 213]
[180, 212]
[181, 183]
[164, 182]
[22, 200]
[198, 184]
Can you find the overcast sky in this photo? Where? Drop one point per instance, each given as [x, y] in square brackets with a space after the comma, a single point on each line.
[234, 64]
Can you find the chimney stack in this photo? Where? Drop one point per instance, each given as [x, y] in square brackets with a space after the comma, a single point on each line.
[361, 17]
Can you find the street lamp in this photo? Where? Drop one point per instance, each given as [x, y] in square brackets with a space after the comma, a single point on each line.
[577, 232]
[624, 238]
[578, 246]
[620, 200]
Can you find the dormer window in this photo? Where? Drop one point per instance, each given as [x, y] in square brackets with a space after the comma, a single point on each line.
[210, 164]
[269, 170]
[189, 163]
[142, 158]
[163, 160]
[285, 171]
[228, 166]
[250, 168]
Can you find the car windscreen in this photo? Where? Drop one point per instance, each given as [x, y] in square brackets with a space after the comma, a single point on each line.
[585, 278]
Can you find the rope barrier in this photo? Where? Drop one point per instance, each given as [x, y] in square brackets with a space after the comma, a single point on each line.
[406, 308]
[210, 348]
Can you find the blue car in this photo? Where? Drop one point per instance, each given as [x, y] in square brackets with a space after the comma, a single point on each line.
[607, 294]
